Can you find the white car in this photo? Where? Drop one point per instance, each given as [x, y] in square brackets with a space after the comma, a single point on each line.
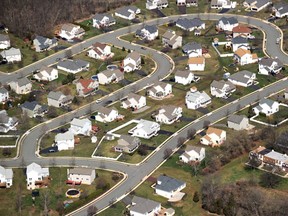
[98, 101]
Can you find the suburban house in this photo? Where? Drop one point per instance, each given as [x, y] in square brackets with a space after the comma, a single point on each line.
[80, 174]
[6, 177]
[127, 144]
[145, 129]
[86, 87]
[134, 101]
[169, 187]
[279, 9]
[7, 123]
[4, 95]
[4, 41]
[144, 207]
[46, 74]
[192, 154]
[243, 78]
[239, 42]
[241, 30]
[192, 49]
[132, 62]
[168, 114]
[184, 77]
[195, 99]
[106, 114]
[73, 66]
[80, 126]
[42, 43]
[21, 86]
[12, 55]
[100, 51]
[148, 32]
[187, 3]
[58, 99]
[213, 137]
[171, 40]
[109, 76]
[190, 24]
[128, 12]
[267, 107]
[227, 24]
[268, 66]
[256, 5]
[33, 109]
[222, 89]
[70, 31]
[244, 56]
[156, 4]
[35, 175]
[238, 122]
[103, 20]
[226, 4]
[196, 63]
[160, 90]
[64, 141]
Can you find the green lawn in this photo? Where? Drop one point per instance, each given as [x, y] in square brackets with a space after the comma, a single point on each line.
[281, 115]
[8, 141]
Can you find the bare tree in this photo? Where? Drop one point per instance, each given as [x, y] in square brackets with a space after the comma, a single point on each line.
[167, 153]
[92, 210]
[191, 133]
[19, 201]
[45, 196]
[180, 141]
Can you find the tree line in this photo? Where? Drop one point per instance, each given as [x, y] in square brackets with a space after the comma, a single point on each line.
[25, 18]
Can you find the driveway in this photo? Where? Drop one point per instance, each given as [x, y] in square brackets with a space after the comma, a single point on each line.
[203, 110]
[141, 73]
[186, 119]
[125, 82]
[159, 13]
[164, 132]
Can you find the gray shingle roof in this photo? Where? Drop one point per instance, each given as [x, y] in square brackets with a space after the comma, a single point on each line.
[267, 101]
[4, 37]
[142, 205]
[193, 148]
[101, 16]
[29, 105]
[239, 40]
[269, 61]
[182, 73]
[151, 28]
[126, 10]
[191, 46]
[3, 90]
[168, 184]
[261, 3]
[11, 52]
[189, 23]
[23, 81]
[55, 95]
[242, 76]
[81, 171]
[230, 20]
[73, 64]
[237, 119]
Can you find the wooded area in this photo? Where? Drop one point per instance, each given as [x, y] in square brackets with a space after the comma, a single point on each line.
[25, 18]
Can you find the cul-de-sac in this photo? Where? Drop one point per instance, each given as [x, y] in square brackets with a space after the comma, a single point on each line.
[144, 107]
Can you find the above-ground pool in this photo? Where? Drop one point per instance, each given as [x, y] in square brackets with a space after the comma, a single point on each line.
[94, 77]
[73, 193]
[112, 67]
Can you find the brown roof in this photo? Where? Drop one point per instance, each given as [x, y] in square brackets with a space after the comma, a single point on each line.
[85, 83]
[254, 56]
[216, 131]
[196, 60]
[241, 52]
[241, 29]
[99, 45]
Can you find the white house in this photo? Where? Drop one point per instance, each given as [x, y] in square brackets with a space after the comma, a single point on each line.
[227, 24]
[213, 137]
[128, 12]
[103, 20]
[6, 177]
[153, 4]
[81, 126]
[192, 154]
[239, 42]
[256, 5]
[244, 56]
[58, 99]
[70, 31]
[35, 175]
[73, 66]
[280, 9]
[4, 41]
[145, 129]
[184, 77]
[109, 76]
[86, 87]
[226, 4]
[12, 55]
[41, 43]
[160, 90]
[21, 86]
[222, 89]
[83, 175]
[195, 99]
[132, 62]
[144, 207]
[187, 3]
[196, 63]
[170, 39]
[169, 187]
[190, 24]
[46, 74]
[168, 114]
[127, 144]
[7, 123]
[148, 32]
[267, 107]
[243, 78]
[106, 114]
[100, 51]
[134, 101]
[268, 66]
[65, 141]
[192, 49]
[33, 109]
[4, 95]
[238, 122]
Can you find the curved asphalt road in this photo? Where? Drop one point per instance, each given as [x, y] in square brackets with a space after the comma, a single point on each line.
[136, 173]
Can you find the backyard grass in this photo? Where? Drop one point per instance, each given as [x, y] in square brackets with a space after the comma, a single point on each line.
[8, 141]
[12, 153]
[277, 117]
